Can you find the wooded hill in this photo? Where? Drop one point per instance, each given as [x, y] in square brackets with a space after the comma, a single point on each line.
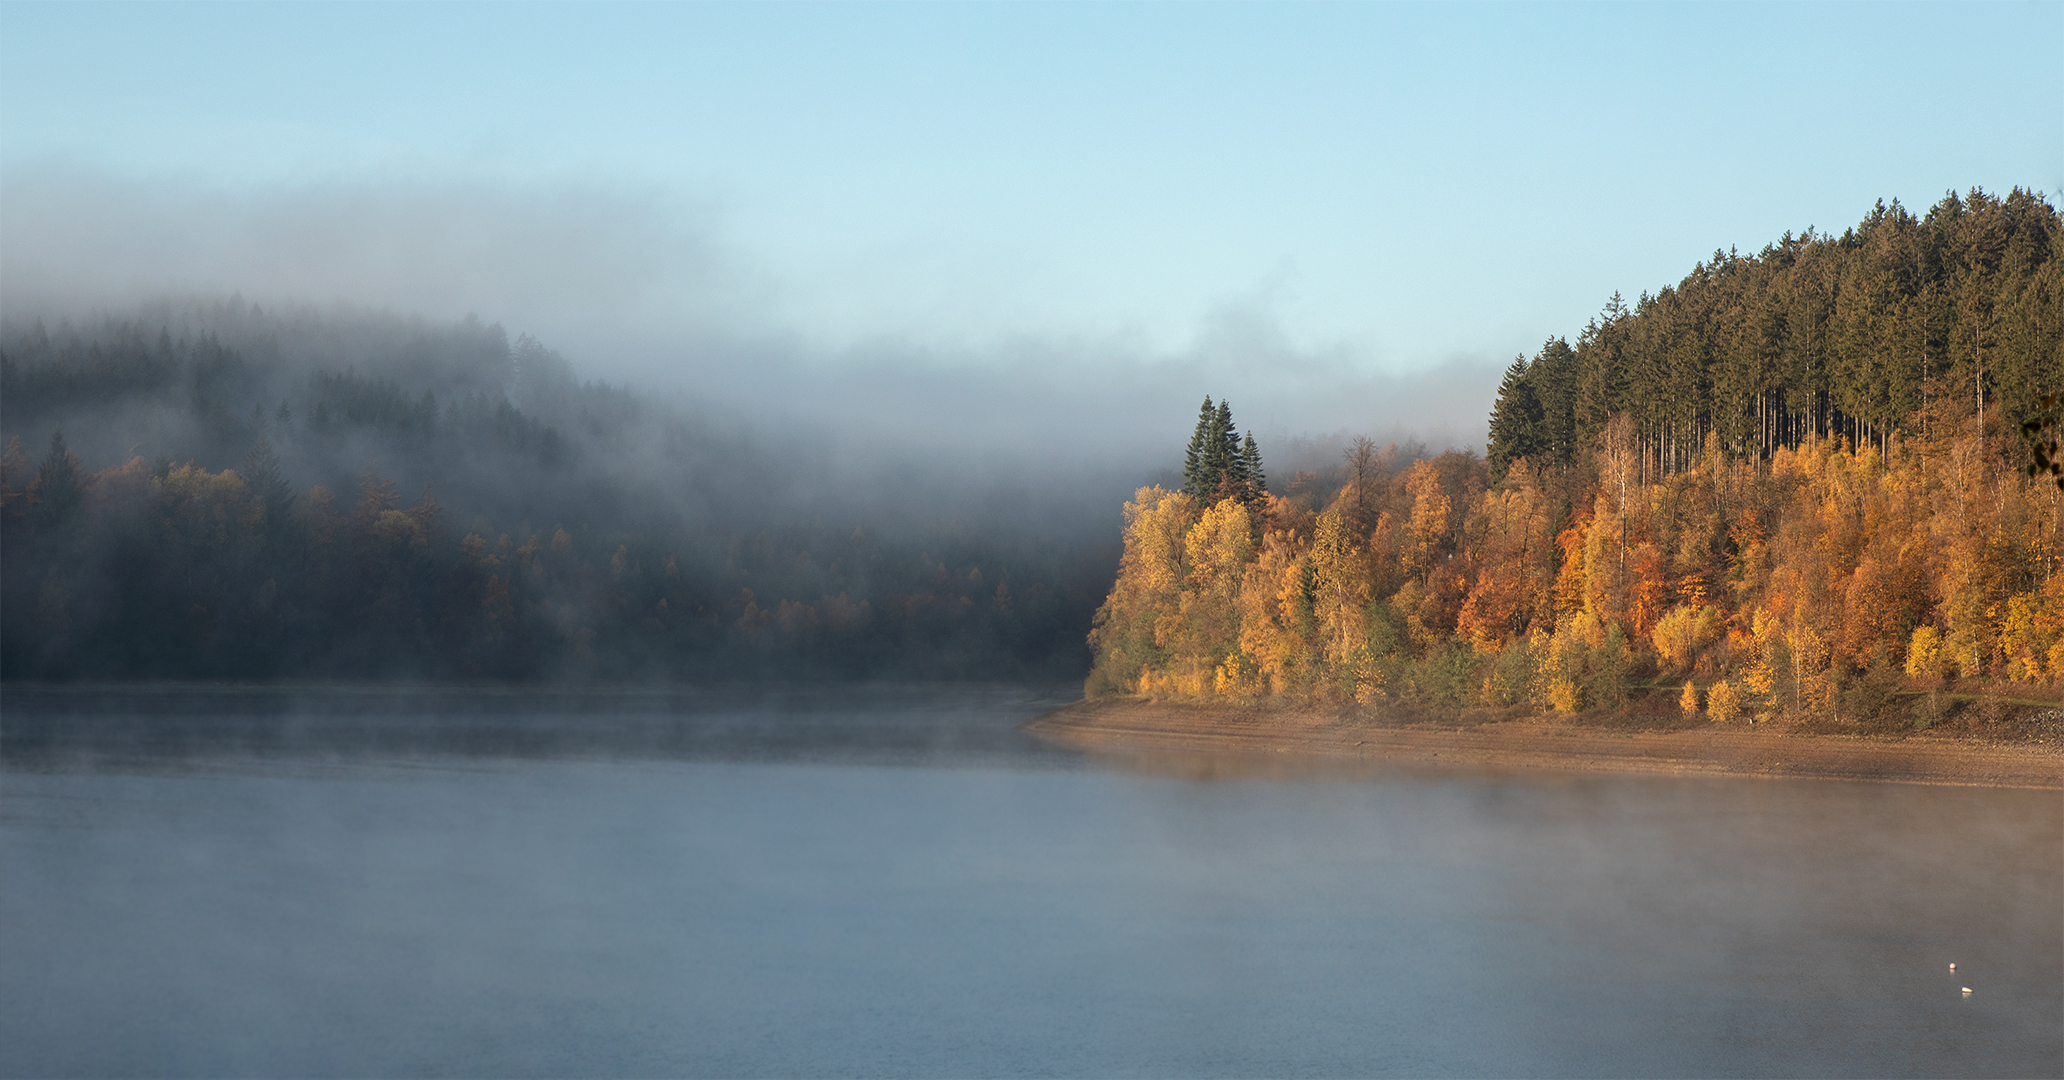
[1876, 332]
[1772, 487]
[218, 491]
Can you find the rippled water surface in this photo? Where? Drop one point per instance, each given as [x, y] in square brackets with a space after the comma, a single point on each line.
[898, 883]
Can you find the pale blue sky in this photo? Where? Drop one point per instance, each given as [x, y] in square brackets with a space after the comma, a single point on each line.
[1358, 188]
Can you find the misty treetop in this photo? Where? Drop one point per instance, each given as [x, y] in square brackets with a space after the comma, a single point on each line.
[1715, 493]
[218, 491]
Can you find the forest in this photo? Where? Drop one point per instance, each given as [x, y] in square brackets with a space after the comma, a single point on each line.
[218, 491]
[1789, 484]
[1793, 485]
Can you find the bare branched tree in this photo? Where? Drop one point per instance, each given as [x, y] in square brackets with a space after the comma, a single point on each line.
[1360, 456]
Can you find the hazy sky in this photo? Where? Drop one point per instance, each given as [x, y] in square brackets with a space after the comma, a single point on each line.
[1334, 194]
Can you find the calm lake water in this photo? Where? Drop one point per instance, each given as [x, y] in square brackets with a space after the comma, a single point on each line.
[896, 882]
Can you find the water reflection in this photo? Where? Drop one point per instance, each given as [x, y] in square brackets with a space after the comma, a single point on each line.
[719, 915]
[129, 727]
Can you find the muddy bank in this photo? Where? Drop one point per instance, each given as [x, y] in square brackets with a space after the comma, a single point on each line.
[1142, 730]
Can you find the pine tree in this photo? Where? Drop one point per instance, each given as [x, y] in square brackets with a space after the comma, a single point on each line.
[1233, 484]
[1553, 376]
[1194, 458]
[1515, 421]
[1250, 465]
[1217, 461]
[1600, 386]
[1217, 464]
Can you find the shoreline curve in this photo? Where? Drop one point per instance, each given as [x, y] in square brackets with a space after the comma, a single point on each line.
[1164, 733]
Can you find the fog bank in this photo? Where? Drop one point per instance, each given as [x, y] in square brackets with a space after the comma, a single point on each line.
[642, 288]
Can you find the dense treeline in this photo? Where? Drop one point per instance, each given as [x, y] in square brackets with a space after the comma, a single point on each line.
[1863, 336]
[223, 492]
[1810, 564]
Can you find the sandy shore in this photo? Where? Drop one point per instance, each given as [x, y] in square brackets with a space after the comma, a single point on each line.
[1180, 735]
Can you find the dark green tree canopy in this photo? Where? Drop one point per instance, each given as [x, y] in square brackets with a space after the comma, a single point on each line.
[1219, 464]
[1250, 467]
[1200, 444]
[1898, 323]
[1515, 421]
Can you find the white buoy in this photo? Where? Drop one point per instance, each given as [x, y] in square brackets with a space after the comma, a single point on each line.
[1952, 967]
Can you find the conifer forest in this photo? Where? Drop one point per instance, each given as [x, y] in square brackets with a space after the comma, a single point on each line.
[1794, 484]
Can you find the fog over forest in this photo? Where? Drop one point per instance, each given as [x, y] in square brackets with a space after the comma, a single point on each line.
[512, 365]
[641, 289]
[292, 491]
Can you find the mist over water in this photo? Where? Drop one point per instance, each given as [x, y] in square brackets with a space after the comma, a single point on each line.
[898, 885]
[478, 538]
[161, 728]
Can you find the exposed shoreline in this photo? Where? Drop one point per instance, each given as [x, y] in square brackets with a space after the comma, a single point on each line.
[1144, 730]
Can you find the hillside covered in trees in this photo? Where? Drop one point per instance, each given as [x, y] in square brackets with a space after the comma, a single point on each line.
[218, 491]
[1791, 485]
[1875, 333]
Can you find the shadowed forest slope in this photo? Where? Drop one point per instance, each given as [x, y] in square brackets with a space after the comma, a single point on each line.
[219, 491]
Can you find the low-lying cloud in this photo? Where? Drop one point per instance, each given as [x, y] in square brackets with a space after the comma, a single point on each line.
[81, 238]
[642, 287]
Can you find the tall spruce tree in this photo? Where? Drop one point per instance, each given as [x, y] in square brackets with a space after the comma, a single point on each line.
[1553, 375]
[1193, 471]
[1859, 336]
[1216, 460]
[1515, 421]
[1218, 464]
[1232, 478]
[1250, 466]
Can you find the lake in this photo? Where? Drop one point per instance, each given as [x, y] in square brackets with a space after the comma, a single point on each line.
[894, 881]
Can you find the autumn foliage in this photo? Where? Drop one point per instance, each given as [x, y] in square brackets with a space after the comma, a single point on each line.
[1794, 585]
[1792, 484]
